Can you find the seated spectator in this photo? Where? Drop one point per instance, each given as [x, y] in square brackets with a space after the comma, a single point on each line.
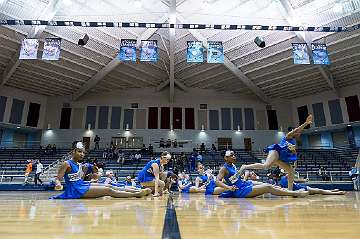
[199, 158]
[202, 147]
[213, 148]
[175, 144]
[104, 155]
[151, 149]
[54, 150]
[168, 143]
[138, 157]
[143, 148]
[162, 143]
[323, 174]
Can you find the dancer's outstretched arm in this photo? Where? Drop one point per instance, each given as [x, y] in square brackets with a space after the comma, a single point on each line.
[299, 129]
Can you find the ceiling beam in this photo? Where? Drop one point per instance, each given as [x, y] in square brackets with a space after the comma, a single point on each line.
[112, 64]
[177, 83]
[35, 32]
[172, 36]
[290, 15]
[232, 67]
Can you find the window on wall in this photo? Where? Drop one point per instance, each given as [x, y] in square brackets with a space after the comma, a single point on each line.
[65, 118]
[237, 118]
[16, 111]
[189, 118]
[249, 119]
[352, 105]
[33, 115]
[115, 117]
[128, 118]
[165, 118]
[214, 119]
[90, 117]
[103, 117]
[177, 118]
[3, 100]
[319, 115]
[335, 112]
[153, 118]
[225, 119]
[303, 114]
[272, 120]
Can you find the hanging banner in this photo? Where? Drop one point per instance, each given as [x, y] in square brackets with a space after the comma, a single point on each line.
[149, 51]
[195, 52]
[300, 53]
[29, 48]
[215, 52]
[320, 54]
[51, 50]
[127, 50]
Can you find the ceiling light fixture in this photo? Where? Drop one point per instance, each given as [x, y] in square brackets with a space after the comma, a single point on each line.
[205, 4]
[338, 7]
[138, 3]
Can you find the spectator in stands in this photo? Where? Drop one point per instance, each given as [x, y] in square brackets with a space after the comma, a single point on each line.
[138, 157]
[48, 149]
[121, 157]
[28, 170]
[213, 148]
[192, 162]
[96, 141]
[38, 172]
[199, 158]
[181, 162]
[162, 143]
[104, 155]
[54, 150]
[202, 147]
[168, 143]
[151, 149]
[143, 149]
[175, 143]
[323, 174]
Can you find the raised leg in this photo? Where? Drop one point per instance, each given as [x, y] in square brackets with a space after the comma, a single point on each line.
[270, 159]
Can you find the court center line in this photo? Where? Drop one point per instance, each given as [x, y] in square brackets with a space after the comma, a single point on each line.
[171, 227]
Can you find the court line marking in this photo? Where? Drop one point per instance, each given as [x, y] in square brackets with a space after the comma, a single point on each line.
[171, 226]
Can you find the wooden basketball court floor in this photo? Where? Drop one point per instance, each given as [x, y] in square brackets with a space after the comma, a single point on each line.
[32, 215]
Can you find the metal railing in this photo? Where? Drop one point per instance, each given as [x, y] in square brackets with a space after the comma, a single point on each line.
[330, 174]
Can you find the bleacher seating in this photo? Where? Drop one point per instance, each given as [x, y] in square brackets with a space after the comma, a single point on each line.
[337, 162]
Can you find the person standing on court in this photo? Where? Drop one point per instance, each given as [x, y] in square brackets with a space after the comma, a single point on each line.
[38, 172]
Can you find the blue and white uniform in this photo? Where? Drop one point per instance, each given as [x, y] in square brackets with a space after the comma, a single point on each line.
[75, 186]
[296, 186]
[187, 185]
[282, 148]
[244, 187]
[147, 174]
